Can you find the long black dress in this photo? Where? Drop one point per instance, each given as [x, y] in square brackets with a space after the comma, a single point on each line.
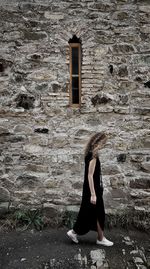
[90, 213]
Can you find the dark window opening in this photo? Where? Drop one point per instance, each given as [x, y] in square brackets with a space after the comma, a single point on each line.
[75, 61]
[75, 71]
[74, 39]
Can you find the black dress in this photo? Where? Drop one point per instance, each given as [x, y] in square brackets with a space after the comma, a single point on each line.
[90, 213]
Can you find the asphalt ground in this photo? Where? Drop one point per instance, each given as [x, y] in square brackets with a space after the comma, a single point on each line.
[51, 248]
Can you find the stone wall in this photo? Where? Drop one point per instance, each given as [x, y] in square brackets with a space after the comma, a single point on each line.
[42, 137]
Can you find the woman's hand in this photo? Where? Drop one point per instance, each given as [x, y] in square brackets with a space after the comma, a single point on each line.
[93, 199]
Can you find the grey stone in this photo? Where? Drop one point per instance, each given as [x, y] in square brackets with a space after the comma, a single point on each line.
[53, 213]
[138, 260]
[51, 183]
[140, 183]
[123, 48]
[4, 195]
[37, 168]
[111, 169]
[97, 99]
[29, 35]
[142, 110]
[82, 260]
[22, 128]
[4, 131]
[55, 86]
[121, 157]
[77, 185]
[4, 207]
[15, 138]
[4, 64]
[123, 71]
[98, 257]
[33, 149]
[145, 166]
[148, 261]
[5, 181]
[117, 181]
[25, 101]
[138, 193]
[50, 16]
[27, 180]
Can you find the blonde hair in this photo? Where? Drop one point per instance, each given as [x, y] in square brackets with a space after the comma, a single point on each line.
[93, 141]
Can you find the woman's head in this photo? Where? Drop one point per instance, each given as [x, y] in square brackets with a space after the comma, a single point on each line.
[96, 142]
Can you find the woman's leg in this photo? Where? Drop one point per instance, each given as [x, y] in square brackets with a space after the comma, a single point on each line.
[99, 231]
[101, 239]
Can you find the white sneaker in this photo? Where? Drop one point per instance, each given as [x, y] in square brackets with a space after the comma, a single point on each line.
[73, 236]
[104, 242]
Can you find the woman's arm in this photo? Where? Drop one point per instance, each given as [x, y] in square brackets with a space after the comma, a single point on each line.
[90, 179]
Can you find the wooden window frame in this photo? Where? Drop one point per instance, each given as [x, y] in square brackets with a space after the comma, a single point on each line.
[75, 45]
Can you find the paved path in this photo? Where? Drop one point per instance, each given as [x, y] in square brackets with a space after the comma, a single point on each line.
[51, 248]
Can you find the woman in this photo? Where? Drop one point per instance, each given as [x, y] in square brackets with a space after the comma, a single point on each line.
[91, 215]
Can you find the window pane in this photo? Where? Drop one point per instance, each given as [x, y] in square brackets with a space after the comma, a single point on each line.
[75, 83]
[75, 90]
[74, 60]
[75, 97]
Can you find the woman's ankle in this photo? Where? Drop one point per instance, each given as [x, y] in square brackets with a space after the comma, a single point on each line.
[100, 238]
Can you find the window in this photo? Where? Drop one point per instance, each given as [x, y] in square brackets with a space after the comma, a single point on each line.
[75, 72]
